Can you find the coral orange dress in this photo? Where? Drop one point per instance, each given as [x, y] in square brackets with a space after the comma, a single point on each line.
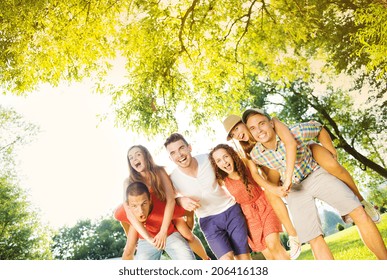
[260, 217]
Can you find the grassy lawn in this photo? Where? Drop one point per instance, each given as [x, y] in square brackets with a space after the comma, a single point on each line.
[346, 244]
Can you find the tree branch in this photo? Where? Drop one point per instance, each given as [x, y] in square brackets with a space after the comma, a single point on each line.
[183, 20]
[371, 142]
[248, 15]
[343, 143]
[264, 8]
[10, 144]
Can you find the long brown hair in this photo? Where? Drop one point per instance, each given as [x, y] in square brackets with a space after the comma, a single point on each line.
[152, 169]
[247, 146]
[240, 167]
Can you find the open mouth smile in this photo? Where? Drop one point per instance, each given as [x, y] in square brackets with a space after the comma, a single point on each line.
[262, 136]
[227, 167]
[182, 159]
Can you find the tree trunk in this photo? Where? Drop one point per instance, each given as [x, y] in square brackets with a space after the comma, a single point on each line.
[343, 143]
[364, 160]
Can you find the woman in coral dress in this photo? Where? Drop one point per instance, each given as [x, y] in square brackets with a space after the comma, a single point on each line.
[263, 224]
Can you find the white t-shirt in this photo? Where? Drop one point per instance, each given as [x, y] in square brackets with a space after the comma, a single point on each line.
[213, 198]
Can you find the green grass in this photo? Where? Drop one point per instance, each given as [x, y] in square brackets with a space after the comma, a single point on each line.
[347, 245]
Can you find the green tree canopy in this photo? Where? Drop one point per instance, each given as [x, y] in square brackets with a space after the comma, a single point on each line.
[200, 59]
[15, 132]
[22, 235]
[89, 240]
[199, 53]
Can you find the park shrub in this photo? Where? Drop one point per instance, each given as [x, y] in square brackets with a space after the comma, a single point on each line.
[340, 227]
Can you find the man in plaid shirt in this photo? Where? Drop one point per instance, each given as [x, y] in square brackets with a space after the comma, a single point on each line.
[310, 181]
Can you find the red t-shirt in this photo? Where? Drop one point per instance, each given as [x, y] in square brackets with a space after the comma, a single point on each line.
[155, 219]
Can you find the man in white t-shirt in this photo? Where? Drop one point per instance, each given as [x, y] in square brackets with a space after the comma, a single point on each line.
[220, 218]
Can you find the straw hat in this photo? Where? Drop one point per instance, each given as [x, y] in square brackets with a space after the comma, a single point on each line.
[229, 123]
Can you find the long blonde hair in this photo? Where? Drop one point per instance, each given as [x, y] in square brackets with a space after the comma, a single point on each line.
[152, 169]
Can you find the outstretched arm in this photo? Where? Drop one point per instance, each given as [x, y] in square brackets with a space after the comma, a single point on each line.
[287, 138]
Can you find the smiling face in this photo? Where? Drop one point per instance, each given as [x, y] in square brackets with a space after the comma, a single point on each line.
[137, 159]
[240, 132]
[224, 160]
[180, 153]
[262, 129]
[140, 205]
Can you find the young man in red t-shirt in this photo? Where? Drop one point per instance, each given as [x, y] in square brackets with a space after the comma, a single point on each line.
[149, 210]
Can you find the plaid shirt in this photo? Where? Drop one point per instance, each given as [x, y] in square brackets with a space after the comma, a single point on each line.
[276, 159]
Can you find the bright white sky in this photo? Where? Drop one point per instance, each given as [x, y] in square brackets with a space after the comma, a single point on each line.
[75, 167]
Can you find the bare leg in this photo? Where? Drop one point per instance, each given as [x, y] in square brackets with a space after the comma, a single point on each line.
[227, 256]
[267, 254]
[320, 249]
[246, 256]
[190, 219]
[325, 159]
[131, 242]
[369, 233]
[193, 241]
[282, 212]
[277, 203]
[273, 243]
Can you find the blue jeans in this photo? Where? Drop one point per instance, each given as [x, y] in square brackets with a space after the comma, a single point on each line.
[177, 248]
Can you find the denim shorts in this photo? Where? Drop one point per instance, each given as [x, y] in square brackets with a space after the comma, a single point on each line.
[226, 232]
[177, 248]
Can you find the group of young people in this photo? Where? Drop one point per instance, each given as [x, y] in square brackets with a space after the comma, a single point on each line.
[239, 195]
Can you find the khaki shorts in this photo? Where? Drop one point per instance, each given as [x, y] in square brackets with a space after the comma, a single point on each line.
[301, 202]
